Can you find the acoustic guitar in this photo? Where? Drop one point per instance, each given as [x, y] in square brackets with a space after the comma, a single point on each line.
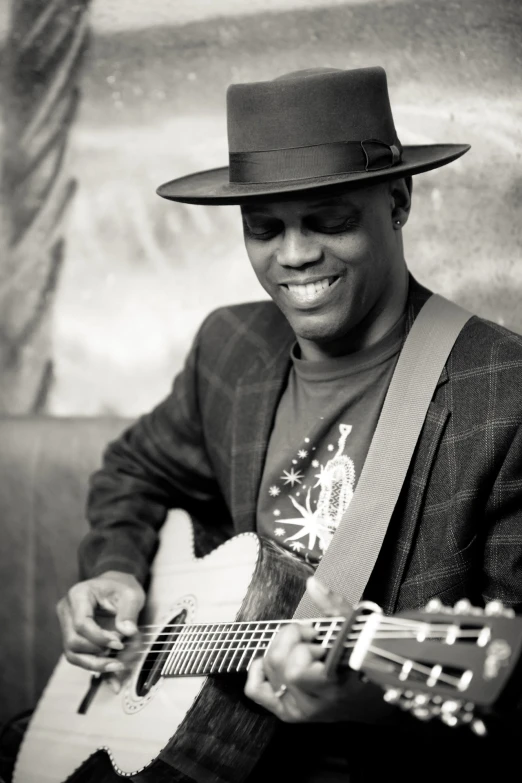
[181, 713]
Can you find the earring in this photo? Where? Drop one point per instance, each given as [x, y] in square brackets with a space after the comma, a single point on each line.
[397, 223]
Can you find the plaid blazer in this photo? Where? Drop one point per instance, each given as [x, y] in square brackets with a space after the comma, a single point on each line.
[457, 528]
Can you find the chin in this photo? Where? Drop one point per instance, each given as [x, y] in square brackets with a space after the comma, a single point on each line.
[319, 337]
[319, 329]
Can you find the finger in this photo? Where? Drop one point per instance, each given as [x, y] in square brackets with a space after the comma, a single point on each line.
[95, 663]
[309, 677]
[307, 631]
[303, 674]
[132, 650]
[281, 647]
[73, 641]
[257, 687]
[129, 603]
[127, 658]
[332, 604]
[81, 604]
[78, 644]
[291, 707]
[114, 683]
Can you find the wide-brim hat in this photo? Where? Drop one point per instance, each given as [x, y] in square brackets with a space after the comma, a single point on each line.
[309, 129]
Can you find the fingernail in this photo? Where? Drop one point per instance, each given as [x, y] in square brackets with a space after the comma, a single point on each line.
[128, 627]
[115, 644]
[114, 667]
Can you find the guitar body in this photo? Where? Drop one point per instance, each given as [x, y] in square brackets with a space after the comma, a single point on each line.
[184, 728]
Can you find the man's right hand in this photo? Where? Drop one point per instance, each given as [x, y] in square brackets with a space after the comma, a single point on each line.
[114, 595]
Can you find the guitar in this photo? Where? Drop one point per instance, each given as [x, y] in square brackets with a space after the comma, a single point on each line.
[178, 717]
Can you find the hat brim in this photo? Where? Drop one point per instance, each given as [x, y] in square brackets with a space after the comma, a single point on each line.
[213, 186]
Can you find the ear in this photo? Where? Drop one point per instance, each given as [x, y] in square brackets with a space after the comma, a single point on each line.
[400, 192]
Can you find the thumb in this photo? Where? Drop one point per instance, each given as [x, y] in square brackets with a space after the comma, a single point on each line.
[332, 604]
[128, 606]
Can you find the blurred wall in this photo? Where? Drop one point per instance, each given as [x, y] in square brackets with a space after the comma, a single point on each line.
[141, 273]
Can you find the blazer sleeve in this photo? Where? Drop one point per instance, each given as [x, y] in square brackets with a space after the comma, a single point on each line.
[157, 464]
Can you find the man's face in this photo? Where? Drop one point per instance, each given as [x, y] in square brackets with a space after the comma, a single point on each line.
[333, 265]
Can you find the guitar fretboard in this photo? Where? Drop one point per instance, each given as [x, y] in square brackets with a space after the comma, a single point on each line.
[189, 650]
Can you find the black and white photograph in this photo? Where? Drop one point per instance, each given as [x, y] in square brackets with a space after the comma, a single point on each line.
[260, 391]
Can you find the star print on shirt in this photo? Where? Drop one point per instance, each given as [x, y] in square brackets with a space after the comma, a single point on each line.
[310, 523]
[322, 476]
[292, 477]
[318, 504]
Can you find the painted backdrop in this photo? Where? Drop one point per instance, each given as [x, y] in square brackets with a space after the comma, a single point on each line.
[141, 273]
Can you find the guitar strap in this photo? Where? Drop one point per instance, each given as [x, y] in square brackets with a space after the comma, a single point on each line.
[349, 560]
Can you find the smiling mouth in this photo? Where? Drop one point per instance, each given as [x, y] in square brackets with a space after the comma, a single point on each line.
[309, 293]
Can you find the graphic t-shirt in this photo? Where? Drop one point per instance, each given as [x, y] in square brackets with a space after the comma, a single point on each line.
[322, 431]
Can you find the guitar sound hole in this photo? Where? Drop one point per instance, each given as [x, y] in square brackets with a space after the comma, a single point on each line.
[152, 666]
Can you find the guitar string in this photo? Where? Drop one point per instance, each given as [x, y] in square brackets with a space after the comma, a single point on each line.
[210, 637]
[206, 633]
[216, 633]
[244, 648]
[341, 620]
[219, 632]
[199, 645]
[262, 644]
[387, 655]
[211, 629]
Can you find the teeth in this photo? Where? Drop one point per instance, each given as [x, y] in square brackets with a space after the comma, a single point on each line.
[309, 290]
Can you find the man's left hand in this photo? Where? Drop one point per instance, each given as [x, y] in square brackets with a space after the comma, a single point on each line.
[291, 681]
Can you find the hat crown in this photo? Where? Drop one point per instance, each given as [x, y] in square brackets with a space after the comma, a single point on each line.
[310, 107]
[307, 130]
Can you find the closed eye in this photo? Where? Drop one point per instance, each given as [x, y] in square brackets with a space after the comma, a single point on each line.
[332, 227]
[262, 230]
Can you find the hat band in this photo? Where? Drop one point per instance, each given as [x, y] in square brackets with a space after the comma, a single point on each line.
[320, 160]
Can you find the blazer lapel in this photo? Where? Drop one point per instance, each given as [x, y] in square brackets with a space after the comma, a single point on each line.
[257, 396]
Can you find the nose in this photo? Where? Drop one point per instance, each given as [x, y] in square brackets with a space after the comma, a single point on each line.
[298, 248]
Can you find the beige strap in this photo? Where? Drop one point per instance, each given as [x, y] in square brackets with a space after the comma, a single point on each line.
[349, 560]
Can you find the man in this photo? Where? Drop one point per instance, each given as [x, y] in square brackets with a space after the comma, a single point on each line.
[268, 426]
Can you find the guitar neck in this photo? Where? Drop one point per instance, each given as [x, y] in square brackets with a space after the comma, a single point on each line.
[223, 648]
